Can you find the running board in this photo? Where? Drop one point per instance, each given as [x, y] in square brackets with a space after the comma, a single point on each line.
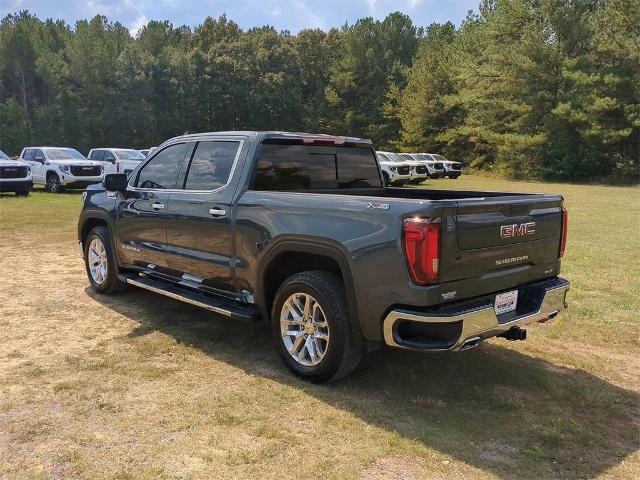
[219, 305]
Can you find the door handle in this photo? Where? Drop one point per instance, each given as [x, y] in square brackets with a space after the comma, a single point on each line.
[217, 212]
[157, 206]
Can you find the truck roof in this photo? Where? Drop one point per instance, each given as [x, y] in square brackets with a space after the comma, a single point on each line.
[295, 137]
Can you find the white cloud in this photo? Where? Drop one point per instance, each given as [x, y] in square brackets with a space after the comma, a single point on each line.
[140, 22]
[11, 7]
[372, 6]
[415, 3]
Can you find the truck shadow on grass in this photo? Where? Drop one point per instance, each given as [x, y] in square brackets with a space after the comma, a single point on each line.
[492, 407]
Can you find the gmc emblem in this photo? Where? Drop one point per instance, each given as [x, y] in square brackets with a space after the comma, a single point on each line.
[509, 231]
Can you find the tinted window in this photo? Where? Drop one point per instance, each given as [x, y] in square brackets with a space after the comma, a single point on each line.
[357, 168]
[109, 157]
[4, 156]
[162, 170]
[299, 167]
[29, 154]
[97, 155]
[211, 165]
[39, 155]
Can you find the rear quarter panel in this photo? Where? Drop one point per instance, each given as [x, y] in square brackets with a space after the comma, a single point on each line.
[369, 239]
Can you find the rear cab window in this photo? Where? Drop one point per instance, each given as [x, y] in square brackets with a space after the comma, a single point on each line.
[288, 167]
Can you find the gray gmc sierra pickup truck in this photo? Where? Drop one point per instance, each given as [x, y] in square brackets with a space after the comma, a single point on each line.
[298, 230]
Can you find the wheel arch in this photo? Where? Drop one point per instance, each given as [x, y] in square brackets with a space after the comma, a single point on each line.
[303, 255]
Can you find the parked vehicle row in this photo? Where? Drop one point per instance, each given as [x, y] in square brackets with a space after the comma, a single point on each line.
[59, 168]
[402, 168]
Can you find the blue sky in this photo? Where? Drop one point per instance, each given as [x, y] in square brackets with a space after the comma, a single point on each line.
[292, 15]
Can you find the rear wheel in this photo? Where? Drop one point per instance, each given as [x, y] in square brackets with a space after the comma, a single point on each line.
[311, 328]
[100, 263]
[53, 183]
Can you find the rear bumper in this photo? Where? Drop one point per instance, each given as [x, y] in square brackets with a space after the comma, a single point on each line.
[454, 326]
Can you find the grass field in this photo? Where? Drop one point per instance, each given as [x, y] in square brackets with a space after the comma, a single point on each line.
[139, 386]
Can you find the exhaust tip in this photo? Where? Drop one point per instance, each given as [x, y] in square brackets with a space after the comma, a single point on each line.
[470, 343]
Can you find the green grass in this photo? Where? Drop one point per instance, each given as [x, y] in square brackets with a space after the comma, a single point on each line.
[139, 386]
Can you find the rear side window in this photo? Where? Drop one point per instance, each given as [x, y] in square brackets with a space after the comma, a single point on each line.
[161, 171]
[301, 167]
[211, 165]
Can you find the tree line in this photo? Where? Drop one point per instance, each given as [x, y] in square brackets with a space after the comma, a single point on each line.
[543, 89]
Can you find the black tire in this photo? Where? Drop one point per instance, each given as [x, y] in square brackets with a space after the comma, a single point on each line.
[53, 183]
[343, 352]
[22, 193]
[111, 283]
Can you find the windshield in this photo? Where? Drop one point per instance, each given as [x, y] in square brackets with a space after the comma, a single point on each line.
[4, 156]
[394, 157]
[426, 157]
[129, 155]
[64, 154]
[439, 158]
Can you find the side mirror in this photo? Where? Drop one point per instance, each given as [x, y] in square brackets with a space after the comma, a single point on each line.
[115, 182]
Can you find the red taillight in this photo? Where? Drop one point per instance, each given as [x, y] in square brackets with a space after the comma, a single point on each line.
[422, 249]
[563, 240]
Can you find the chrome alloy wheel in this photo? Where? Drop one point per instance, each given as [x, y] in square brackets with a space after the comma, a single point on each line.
[304, 329]
[97, 258]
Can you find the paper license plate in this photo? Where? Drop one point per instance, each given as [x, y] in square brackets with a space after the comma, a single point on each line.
[506, 302]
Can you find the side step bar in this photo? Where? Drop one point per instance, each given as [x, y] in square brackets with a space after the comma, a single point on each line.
[219, 305]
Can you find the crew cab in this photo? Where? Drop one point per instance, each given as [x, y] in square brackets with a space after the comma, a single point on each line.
[58, 168]
[451, 169]
[395, 171]
[298, 231]
[15, 176]
[117, 160]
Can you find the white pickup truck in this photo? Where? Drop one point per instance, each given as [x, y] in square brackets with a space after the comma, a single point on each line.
[117, 160]
[14, 176]
[58, 168]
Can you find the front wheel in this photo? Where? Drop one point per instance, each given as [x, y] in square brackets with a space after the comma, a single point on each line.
[53, 184]
[311, 328]
[100, 263]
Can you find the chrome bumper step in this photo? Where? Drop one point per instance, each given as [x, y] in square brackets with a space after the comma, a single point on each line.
[458, 327]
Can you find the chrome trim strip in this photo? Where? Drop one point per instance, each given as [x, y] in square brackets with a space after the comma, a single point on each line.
[176, 296]
[482, 323]
[182, 190]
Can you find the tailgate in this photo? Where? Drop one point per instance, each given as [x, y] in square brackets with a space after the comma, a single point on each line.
[493, 237]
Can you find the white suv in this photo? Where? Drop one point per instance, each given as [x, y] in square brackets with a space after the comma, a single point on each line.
[117, 160]
[451, 169]
[395, 170]
[59, 167]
